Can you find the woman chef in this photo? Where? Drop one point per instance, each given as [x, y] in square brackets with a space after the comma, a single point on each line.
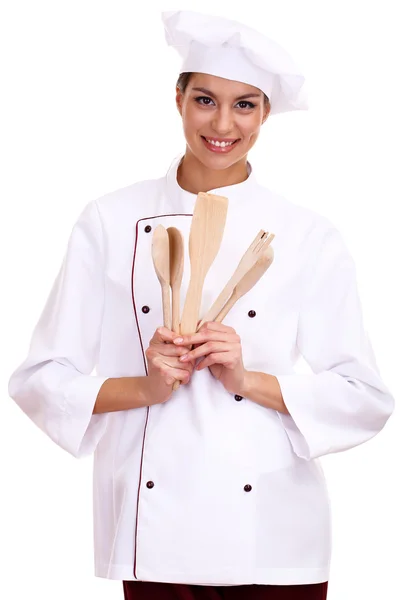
[215, 490]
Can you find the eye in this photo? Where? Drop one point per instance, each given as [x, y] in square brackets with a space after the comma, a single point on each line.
[204, 100]
[246, 104]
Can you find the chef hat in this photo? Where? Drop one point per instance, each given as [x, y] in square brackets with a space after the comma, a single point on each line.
[228, 49]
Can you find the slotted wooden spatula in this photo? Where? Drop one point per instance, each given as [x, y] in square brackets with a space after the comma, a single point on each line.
[248, 281]
[205, 239]
[250, 257]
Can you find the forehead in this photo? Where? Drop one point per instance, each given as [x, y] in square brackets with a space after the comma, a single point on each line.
[220, 86]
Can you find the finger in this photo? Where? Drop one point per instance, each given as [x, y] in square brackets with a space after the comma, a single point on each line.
[171, 350]
[217, 358]
[204, 336]
[205, 349]
[162, 334]
[170, 375]
[174, 363]
[214, 326]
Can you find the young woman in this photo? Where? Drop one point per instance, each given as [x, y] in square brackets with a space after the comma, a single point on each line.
[215, 490]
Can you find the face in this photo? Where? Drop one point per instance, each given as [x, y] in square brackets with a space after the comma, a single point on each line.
[221, 119]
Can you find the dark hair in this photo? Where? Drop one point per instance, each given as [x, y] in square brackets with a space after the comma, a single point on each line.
[183, 82]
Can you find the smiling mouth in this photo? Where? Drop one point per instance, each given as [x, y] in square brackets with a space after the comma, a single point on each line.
[218, 144]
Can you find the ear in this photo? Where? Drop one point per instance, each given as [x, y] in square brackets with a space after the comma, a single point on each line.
[179, 100]
[266, 113]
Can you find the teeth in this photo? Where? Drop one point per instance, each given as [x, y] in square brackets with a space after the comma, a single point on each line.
[220, 144]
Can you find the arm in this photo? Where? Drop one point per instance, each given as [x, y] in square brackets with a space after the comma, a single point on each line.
[264, 389]
[344, 402]
[54, 385]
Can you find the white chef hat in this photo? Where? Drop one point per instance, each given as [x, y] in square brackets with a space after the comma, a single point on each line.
[228, 49]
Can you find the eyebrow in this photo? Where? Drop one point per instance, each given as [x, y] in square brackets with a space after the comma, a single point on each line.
[209, 93]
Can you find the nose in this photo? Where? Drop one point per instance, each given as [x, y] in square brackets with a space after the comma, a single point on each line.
[223, 121]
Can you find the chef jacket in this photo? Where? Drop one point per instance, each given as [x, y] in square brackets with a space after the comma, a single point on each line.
[209, 487]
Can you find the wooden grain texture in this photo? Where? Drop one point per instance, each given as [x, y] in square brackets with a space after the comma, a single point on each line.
[248, 281]
[206, 232]
[176, 264]
[160, 255]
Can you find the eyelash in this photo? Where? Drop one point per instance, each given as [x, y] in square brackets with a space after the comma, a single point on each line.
[250, 105]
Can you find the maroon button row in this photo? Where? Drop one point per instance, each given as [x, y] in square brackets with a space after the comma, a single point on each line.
[247, 487]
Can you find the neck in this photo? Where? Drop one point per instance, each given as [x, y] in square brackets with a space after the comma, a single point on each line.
[194, 177]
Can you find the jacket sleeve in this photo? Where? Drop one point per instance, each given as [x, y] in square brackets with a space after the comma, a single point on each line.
[343, 402]
[54, 385]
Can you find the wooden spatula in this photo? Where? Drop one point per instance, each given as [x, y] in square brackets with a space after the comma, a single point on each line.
[206, 232]
[160, 254]
[176, 260]
[250, 257]
[248, 281]
[205, 238]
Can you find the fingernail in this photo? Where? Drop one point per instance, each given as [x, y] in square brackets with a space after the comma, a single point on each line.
[183, 358]
[178, 340]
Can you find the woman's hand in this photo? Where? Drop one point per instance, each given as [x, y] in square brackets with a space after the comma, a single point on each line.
[220, 349]
[164, 366]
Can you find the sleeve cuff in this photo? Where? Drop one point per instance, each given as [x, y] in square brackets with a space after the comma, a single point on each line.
[296, 392]
[81, 430]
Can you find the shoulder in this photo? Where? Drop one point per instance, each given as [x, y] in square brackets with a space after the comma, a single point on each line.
[121, 206]
[129, 197]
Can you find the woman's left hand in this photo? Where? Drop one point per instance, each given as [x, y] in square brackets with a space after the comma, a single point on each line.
[220, 349]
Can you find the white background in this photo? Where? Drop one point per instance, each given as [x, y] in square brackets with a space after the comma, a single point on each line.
[88, 107]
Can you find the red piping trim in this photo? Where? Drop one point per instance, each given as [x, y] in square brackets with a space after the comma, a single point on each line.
[145, 367]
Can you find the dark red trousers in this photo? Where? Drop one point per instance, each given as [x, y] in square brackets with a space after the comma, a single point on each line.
[143, 590]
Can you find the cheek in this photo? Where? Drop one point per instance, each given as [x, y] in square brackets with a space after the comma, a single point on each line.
[250, 129]
[194, 120]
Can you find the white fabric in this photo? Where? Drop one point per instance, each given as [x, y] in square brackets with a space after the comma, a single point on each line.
[197, 524]
[228, 49]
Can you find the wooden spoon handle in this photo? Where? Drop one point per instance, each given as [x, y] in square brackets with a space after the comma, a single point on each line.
[175, 308]
[231, 302]
[220, 301]
[166, 304]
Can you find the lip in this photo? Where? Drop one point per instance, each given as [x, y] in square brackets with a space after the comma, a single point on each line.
[219, 149]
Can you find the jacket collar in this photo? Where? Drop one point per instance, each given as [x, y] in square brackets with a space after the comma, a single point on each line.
[234, 193]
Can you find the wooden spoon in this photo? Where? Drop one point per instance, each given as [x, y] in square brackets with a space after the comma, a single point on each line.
[205, 238]
[160, 254]
[176, 260]
[248, 281]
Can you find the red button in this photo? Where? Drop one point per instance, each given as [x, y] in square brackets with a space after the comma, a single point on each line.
[150, 484]
[247, 488]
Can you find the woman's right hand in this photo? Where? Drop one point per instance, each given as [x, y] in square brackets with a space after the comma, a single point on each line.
[163, 366]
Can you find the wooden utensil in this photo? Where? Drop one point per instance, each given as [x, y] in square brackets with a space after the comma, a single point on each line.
[206, 232]
[250, 257]
[160, 254]
[248, 281]
[205, 238]
[176, 260]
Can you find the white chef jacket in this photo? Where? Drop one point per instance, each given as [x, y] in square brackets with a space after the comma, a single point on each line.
[170, 480]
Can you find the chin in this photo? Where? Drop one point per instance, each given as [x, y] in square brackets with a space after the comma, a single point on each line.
[217, 162]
